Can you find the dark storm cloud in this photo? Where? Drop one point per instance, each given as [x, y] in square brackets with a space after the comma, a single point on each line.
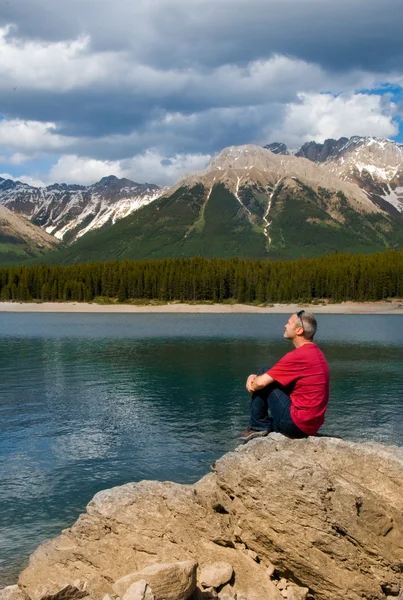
[337, 35]
[185, 76]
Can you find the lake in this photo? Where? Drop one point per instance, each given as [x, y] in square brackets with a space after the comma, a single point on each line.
[91, 401]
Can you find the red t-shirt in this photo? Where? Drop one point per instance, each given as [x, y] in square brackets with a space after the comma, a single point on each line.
[305, 372]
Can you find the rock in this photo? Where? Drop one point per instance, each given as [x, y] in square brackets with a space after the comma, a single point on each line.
[270, 570]
[173, 581]
[75, 590]
[139, 591]
[295, 592]
[253, 555]
[327, 513]
[209, 593]
[216, 575]
[108, 597]
[12, 592]
[282, 584]
[227, 592]
[205, 594]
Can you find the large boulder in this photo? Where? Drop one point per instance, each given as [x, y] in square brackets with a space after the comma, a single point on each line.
[320, 513]
[12, 592]
[172, 581]
[216, 575]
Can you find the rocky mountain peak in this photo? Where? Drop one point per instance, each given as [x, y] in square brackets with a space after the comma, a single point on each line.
[277, 148]
[241, 157]
[240, 167]
[68, 211]
[322, 152]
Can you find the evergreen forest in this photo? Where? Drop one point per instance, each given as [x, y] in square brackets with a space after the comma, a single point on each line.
[336, 278]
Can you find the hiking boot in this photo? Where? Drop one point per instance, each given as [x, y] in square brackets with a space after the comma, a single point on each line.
[249, 434]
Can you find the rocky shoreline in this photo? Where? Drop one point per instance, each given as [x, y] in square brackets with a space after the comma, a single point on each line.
[318, 519]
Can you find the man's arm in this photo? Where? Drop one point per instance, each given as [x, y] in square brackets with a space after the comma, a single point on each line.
[257, 382]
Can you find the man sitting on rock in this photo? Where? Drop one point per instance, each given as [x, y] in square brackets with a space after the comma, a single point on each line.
[292, 396]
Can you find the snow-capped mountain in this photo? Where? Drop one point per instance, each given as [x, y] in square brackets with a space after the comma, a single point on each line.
[374, 164]
[70, 211]
[250, 203]
[278, 148]
[239, 167]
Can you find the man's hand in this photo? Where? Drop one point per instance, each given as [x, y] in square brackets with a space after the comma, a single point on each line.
[249, 381]
[258, 382]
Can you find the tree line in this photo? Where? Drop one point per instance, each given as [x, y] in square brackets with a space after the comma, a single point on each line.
[336, 277]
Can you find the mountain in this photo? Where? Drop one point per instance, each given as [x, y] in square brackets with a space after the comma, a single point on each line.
[322, 152]
[70, 211]
[374, 164]
[252, 203]
[277, 148]
[311, 150]
[20, 239]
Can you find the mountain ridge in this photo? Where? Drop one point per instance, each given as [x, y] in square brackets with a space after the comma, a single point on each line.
[375, 164]
[69, 211]
[249, 202]
[20, 239]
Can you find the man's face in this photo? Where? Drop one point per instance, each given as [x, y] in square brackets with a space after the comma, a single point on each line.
[291, 327]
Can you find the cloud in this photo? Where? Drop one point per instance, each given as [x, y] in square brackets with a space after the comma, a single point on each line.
[181, 33]
[62, 65]
[34, 136]
[320, 116]
[34, 181]
[149, 167]
[87, 86]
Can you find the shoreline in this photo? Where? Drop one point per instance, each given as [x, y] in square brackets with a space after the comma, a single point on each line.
[355, 308]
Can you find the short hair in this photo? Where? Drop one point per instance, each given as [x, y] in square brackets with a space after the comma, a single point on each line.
[310, 325]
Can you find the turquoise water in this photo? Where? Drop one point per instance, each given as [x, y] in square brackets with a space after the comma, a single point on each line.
[88, 402]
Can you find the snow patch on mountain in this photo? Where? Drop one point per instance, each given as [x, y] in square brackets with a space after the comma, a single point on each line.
[395, 197]
[73, 210]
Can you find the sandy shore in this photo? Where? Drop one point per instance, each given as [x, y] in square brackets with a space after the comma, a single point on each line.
[347, 308]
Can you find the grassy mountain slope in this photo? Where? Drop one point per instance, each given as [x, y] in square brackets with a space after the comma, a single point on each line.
[198, 221]
[20, 240]
[306, 223]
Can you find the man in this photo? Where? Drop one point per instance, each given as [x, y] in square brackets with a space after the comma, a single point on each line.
[292, 396]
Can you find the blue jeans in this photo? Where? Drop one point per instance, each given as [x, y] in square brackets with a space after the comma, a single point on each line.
[270, 410]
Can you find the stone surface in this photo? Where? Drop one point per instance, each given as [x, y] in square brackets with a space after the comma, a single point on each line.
[296, 593]
[12, 592]
[325, 513]
[77, 589]
[139, 590]
[168, 581]
[216, 575]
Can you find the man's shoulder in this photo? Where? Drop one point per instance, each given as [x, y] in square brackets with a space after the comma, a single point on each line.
[308, 351]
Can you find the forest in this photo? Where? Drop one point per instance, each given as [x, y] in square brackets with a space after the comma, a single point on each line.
[335, 277]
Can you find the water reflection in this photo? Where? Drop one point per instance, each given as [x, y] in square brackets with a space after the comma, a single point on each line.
[93, 401]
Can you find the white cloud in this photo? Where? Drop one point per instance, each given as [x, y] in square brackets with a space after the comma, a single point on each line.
[152, 167]
[320, 116]
[149, 167]
[75, 169]
[59, 65]
[30, 136]
[74, 65]
[34, 181]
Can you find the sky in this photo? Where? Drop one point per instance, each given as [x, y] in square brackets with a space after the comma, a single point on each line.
[153, 89]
